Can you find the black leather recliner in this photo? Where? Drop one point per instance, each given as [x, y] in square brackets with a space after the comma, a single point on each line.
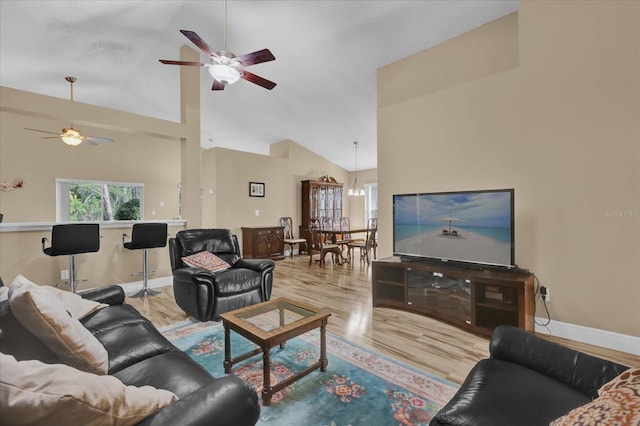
[204, 294]
[527, 381]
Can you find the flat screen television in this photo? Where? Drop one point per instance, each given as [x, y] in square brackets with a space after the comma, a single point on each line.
[472, 226]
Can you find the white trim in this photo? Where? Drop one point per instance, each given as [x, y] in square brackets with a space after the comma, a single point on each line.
[592, 336]
[108, 182]
[46, 226]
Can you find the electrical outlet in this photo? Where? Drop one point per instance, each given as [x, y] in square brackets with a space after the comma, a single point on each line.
[545, 294]
[64, 274]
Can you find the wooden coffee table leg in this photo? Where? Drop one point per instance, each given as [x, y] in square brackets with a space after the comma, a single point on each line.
[323, 346]
[266, 379]
[227, 349]
[282, 325]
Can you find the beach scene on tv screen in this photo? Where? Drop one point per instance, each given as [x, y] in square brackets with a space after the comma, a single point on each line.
[468, 226]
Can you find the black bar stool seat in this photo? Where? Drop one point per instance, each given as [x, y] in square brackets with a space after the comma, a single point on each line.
[71, 240]
[145, 236]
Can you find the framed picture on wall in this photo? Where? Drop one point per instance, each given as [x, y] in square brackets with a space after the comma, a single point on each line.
[256, 189]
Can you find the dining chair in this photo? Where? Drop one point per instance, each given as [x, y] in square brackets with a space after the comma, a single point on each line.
[317, 244]
[287, 223]
[345, 237]
[368, 245]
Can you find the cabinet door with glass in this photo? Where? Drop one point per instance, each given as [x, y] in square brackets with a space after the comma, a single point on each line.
[320, 200]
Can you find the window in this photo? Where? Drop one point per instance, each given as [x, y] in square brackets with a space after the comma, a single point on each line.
[89, 201]
[371, 200]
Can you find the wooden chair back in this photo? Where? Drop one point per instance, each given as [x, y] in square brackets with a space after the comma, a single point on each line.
[287, 223]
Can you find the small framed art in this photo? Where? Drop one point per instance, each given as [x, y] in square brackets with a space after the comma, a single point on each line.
[256, 189]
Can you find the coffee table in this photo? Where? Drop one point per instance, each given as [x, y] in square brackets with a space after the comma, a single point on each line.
[269, 324]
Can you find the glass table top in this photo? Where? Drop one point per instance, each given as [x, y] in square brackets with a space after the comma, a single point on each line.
[274, 314]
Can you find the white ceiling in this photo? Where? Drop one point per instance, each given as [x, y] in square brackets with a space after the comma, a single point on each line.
[327, 54]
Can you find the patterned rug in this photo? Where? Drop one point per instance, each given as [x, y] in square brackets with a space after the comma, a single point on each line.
[360, 387]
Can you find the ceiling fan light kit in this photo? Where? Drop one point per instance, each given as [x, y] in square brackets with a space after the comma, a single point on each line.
[71, 136]
[225, 74]
[225, 67]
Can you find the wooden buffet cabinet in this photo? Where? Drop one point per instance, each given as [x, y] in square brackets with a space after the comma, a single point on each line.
[473, 298]
[320, 199]
[263, 243]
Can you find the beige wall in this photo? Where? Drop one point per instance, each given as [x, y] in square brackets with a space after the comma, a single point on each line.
[553, 111]
[145, 150]
[357, 204]
[149, 151]
[227, 173]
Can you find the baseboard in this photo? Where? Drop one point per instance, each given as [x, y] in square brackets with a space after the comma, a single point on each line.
[592, 336]
[152, 283]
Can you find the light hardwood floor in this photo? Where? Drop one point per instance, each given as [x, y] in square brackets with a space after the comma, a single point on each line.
[426, 343]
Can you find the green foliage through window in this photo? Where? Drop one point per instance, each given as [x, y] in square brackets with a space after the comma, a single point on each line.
[103, 201]
[130, 210]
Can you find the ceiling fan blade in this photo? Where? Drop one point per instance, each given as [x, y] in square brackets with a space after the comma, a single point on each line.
[42, 131]
[257, 57]
[256, 79]
[191, 64]
[217, 85]
[96, 139]
[195, 39]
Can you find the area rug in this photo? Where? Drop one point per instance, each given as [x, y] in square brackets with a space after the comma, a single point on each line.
[360, 387]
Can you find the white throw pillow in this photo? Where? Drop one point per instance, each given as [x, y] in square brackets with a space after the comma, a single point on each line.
[74, 304]
[35, 393]
[46, 318]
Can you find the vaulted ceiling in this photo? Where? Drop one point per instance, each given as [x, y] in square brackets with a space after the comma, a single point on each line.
[327, 54]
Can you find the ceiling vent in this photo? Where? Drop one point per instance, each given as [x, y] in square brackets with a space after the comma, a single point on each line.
[113, 45]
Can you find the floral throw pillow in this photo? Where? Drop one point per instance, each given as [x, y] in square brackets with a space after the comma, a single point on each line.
[618, 404]
[206, 260]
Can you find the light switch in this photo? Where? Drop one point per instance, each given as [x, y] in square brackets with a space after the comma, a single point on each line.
[161, 203]
[257, 212]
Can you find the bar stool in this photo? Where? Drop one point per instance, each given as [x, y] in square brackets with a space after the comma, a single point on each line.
[145, 236]
[72, 240]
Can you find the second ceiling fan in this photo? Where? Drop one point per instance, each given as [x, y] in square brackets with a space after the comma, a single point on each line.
[225, 67]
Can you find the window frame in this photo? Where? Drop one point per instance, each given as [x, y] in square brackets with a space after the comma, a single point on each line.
[63, 203]
[369, 210]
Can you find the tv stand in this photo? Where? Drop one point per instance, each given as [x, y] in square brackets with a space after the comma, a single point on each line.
[472, 297]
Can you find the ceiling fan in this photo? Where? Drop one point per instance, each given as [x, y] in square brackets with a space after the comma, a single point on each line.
[72, 136]
[225, 67]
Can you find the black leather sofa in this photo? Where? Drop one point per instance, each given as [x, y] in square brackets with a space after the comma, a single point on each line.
[139, 355]
[204, 294]
[526, 381]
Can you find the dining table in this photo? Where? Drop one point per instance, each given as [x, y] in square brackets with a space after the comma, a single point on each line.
[333, 233]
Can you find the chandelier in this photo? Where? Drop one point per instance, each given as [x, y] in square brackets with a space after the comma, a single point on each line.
[355, 190]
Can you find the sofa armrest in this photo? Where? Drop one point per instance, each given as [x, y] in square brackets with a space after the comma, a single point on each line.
[193, 275]
[226, 402]
[258, 265]
[109, 294]
[583, 372]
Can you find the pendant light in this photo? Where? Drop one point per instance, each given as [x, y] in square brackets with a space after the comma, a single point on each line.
[354, 190]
